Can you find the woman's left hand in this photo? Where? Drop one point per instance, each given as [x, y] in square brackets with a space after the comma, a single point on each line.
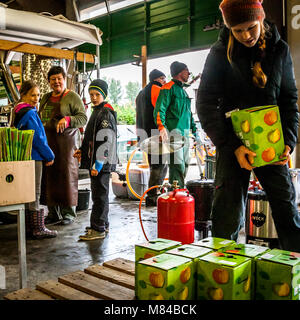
[61, 126]
[286, 153]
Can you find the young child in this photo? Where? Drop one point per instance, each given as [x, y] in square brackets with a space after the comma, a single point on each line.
[25, 118]
[98, 153]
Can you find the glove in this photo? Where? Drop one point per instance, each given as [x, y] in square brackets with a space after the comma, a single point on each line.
[98, 165]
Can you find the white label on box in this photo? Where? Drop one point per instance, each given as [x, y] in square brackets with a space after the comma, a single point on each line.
[226, 242]
[230, 263]
[267, 256]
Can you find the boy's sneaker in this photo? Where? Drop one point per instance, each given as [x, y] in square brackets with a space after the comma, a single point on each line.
[92, 234]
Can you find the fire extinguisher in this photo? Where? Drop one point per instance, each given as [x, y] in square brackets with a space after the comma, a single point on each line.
[176, 215]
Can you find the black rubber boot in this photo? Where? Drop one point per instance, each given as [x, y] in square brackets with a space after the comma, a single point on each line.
[39, 231]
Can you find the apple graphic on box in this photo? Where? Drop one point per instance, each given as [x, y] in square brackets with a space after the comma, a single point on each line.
[268, 154]
[282, 289]
[270, 117]
[220, 275]
[185, 275]
[274, 136]
[183, 294]
[156, 279]
[215, 293]
[245, 125]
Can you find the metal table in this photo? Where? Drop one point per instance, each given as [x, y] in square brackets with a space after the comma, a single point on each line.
[21, 240]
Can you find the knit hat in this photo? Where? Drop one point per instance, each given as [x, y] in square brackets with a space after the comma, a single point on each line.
[99, 85]
[239, 11]
[176, 67]
[154, 74]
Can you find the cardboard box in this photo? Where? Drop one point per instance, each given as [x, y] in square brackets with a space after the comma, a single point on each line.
[278, 276]
[194, 253]
[224, 276]
[213, 243]
[260, 130]
[164, 277]
[154, 247]
[17, 182]
[250, 251]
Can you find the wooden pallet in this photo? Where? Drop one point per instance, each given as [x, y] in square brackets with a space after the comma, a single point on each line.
[114, 280]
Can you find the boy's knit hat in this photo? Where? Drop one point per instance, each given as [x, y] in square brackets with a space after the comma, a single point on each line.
[239, 11]
[176, 67]
[154, 74]
[99, 85]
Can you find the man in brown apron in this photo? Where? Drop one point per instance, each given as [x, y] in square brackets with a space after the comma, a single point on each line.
[62, 113]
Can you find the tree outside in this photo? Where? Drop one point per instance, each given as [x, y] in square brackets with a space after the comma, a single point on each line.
[126, 113]
[132, 90]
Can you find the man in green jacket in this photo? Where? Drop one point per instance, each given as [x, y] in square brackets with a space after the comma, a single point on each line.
[173, 117]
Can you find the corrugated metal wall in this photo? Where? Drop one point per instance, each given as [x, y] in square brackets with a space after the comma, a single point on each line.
[165, 26]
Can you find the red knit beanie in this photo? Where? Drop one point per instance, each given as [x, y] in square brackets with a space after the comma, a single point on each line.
[239, 11]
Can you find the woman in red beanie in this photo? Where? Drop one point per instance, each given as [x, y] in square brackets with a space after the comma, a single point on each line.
[250, 65]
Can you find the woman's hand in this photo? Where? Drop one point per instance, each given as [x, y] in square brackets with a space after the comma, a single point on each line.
[245, 157]
[286, 153]
[49, 163]
[61, 126]
[94, 172]
[77, 155]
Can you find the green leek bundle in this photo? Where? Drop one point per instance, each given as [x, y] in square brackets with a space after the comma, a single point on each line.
[15, 145]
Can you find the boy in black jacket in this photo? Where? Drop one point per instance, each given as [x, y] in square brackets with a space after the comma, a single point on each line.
[98, 153]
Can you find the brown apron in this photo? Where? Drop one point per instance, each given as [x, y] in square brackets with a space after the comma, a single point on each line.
[59, 181]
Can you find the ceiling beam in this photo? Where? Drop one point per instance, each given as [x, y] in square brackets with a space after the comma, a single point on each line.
[45, 51]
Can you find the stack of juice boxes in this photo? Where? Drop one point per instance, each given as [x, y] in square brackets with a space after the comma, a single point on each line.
[215, 269]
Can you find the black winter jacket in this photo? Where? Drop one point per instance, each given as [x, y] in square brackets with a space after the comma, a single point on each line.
[100, 138]
[225, 87]
[144, 108]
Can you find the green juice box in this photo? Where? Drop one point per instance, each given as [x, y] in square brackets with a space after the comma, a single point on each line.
[164, 277]
[194, 253]
[224, 276]
[260, 130]
[153, 248]
[278, 276]
[250, 251]
[213, 243]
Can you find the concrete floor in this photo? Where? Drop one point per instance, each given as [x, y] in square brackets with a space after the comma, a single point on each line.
[50, 258]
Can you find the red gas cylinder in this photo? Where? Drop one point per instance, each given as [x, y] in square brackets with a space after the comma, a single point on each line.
[176, 216]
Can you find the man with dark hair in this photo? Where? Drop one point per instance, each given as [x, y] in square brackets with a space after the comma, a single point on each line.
[172, 114]
[62, 113]
[146, 127]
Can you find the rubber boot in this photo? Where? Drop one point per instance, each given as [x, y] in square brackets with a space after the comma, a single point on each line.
[39, 231]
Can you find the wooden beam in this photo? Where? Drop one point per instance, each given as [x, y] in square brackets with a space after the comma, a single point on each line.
[44, 51]
[144, 65]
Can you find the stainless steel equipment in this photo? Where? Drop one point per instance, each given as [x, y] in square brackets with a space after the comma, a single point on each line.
[155, 146]
[260, 227]
[210, 167]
